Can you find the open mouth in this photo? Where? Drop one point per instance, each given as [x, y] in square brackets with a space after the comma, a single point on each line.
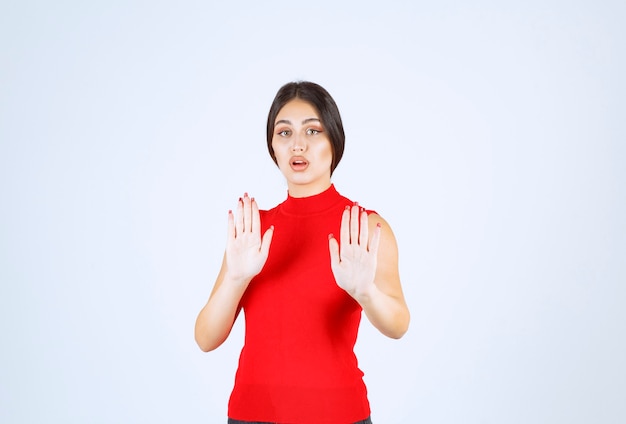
[298, 163]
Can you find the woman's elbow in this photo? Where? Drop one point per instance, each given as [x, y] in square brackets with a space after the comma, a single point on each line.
[206, 345]
[206, 349]
[205, 342]
[401, 327]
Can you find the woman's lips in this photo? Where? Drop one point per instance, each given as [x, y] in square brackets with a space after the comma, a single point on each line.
[298, 163]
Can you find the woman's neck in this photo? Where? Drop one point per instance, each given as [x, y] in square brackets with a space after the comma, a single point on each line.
[306, 190]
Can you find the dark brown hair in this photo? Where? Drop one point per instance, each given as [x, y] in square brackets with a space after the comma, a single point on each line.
[325, 106]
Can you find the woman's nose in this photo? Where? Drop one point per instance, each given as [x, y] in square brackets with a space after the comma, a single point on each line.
[298, 144]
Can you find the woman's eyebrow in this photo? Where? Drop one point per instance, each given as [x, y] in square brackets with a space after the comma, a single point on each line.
[288, 122]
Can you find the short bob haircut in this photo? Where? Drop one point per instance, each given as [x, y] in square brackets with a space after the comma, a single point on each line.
[325, 106]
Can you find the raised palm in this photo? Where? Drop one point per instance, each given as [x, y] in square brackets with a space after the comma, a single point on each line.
[246, 250]
[353, 260]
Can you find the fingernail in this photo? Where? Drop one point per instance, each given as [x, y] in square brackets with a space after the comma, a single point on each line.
[331, 236]
[378, 224]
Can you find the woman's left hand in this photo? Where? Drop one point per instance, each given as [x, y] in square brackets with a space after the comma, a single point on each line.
[353, 260]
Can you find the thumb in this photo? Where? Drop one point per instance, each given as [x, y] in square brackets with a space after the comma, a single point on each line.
[333, 247]
[375, 240]
[267, 240]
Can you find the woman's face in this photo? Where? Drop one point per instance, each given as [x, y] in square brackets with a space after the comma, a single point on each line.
[302, 149]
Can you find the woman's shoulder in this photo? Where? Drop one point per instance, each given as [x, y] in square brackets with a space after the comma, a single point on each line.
[371, 213]
[269, 212]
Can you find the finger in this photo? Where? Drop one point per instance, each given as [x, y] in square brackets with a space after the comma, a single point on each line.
[344, 232]
[231, 227]
[354, 223]
[375, 240]
[266, 241]
[364, 233]
[333, 248]
[256, 218]
[239, 220]
[247, 213]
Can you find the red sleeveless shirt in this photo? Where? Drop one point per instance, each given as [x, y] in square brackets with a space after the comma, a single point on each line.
[298, 363]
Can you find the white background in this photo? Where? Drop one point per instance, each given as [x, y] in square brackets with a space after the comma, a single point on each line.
[491, 137]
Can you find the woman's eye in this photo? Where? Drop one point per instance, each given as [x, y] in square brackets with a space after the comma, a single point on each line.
[312, 131]
[283, 133]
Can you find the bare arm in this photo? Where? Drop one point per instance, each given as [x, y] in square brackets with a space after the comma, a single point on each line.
[246, 253]
[366, 266]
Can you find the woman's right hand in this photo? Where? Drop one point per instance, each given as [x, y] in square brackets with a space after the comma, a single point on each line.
[246, 251]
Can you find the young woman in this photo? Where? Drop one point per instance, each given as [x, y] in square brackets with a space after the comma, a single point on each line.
[303, 272]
